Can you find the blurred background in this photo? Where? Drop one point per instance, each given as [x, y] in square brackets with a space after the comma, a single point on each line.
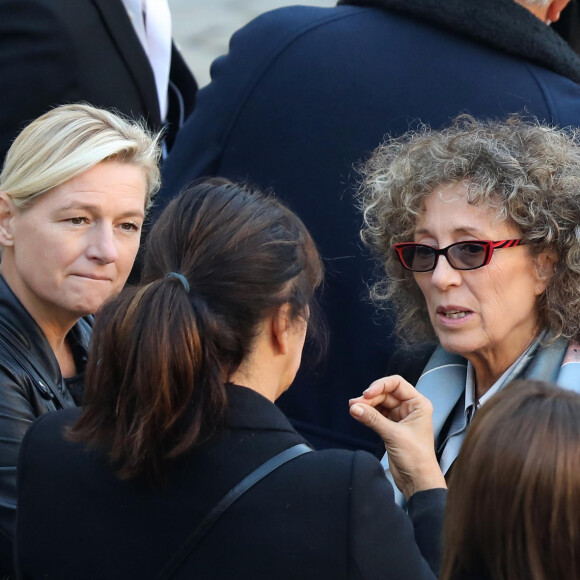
[202, 28]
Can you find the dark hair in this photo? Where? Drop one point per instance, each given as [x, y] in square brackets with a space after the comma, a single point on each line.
[161, 354]
[513, 509]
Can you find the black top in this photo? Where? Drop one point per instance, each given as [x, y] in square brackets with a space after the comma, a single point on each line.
[328, 514]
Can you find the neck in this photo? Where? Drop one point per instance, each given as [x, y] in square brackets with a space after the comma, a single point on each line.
[247, 375]
[489, 368]
[537, 10]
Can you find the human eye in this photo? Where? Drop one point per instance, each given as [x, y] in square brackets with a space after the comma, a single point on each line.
[471, 249]
[78, 220]
[131, 227]
[423, 251]
[468, 255]
[421, 257]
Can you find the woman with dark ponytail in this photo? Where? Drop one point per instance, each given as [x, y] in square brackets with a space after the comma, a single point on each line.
[179, 414]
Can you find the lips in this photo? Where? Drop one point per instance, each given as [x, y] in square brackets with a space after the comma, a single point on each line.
[452, 312]
[94, 277]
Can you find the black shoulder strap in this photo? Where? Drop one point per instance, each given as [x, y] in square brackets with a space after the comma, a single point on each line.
[236, 492]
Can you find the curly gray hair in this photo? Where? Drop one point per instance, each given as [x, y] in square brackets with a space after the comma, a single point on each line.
[528, 172]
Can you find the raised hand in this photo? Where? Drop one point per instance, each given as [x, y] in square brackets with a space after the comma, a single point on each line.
[402, 417]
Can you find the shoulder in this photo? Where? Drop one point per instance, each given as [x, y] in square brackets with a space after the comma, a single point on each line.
[301, 18]
[562, 95]
[279, 29]
[31, 14]
[356, 468]
[53, 423]
[47, 433]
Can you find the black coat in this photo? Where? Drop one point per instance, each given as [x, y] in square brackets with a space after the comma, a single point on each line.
[60, 51]
[325, 515]
[31, 385]
[304, 93]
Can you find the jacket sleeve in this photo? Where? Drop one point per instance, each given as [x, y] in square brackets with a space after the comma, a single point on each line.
[384, 542]
[36, 64]
[16, 415]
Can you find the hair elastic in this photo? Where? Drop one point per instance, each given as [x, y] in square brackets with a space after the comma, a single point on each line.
[179, 277]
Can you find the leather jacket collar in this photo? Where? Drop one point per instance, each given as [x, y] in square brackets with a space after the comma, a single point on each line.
[21, 329]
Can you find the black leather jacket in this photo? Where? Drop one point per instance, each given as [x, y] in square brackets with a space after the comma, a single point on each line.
[31, 385]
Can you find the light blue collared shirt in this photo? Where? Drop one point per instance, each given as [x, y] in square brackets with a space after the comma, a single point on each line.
[449, 448]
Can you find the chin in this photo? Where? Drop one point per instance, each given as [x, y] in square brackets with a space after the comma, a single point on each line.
[456, 347]
[87, 307]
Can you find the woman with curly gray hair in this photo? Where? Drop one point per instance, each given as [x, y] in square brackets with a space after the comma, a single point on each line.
[478, 228]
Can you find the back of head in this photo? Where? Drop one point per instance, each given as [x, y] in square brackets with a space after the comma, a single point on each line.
[514, 493]
[162, 352]
[69, 140]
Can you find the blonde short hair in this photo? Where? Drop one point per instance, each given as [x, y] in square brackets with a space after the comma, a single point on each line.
[69, 140]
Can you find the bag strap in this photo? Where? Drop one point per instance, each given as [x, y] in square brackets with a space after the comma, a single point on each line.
[218, 510]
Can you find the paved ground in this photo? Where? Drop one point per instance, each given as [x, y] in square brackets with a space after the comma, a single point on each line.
[202, 28]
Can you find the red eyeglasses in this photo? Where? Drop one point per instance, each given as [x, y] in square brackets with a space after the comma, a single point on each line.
[461, 255]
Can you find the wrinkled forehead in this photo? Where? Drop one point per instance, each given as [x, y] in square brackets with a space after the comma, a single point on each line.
[466, 195]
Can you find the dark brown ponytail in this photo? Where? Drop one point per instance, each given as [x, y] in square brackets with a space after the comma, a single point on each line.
[162, 352]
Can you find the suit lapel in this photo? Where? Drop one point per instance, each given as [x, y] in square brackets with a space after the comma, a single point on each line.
[123, 34]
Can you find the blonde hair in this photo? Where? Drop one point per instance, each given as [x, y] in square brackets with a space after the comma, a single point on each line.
[69, 140]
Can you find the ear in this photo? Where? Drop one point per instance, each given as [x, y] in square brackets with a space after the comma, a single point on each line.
[7, 212]
[281, 325]
[555, 8]
[545, 264]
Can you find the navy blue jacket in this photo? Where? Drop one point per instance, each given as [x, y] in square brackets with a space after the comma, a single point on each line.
[305, 93]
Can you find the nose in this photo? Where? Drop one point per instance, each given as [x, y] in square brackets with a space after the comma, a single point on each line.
[444, 276]
[103, 245]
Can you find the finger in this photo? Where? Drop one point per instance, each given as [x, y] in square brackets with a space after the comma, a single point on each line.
[370, 417]
[374, 401]
[377, 391]
[385, 403]
[394, 385]
[412, 409]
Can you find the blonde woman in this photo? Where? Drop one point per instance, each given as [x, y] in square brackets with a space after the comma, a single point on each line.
[74, 190]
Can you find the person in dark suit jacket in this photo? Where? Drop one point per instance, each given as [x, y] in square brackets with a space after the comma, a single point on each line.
[305, 93]
[54, 52]
[181, 383]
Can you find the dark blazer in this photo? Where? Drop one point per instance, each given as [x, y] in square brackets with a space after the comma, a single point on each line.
[31, 385]
[304, 93]
[325, 515]
[60, 51]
